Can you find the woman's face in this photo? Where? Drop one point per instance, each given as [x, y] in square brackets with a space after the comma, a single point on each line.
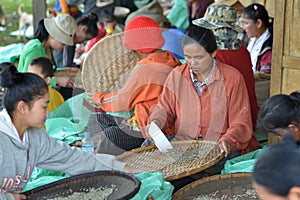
[250, 27]
[198, 59]
[56, 45]
[81, 35]
[37, 114]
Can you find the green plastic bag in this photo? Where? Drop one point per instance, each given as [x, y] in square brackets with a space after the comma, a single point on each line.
[178, 15]
[11, 53]
[68, 122]
[40, 177]
[243, 163]
[153, 184]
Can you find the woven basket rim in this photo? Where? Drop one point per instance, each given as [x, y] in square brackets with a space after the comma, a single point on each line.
[69, 180]
[213, 178]
[219, 157]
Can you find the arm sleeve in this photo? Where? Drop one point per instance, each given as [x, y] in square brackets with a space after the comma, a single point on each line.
[164, 111]
[240, 131]
[6, 196]
[265, 62]
[59, 156]
[137, 88]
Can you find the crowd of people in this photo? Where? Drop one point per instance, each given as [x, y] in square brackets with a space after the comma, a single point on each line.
[201, 88]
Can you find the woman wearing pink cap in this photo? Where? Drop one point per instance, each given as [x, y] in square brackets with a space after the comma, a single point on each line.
[140, 91]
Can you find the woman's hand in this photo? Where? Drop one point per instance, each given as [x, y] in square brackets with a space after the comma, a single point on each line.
[64, 81]
[225, 146]
[19, 196]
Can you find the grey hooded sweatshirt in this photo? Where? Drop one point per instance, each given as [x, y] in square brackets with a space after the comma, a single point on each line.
[17, 160]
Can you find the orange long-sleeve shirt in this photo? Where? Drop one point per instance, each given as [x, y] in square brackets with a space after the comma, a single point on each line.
[221, 113]
[142, 87]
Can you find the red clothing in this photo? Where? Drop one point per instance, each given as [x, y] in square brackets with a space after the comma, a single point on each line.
[240, 59]
[265, 62]
[221, 113]
[92, 42]
[142, 87]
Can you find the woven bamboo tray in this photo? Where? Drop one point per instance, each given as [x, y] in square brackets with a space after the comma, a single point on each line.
[124, 186]
[107, 65]
[189, 157]
[219, 187]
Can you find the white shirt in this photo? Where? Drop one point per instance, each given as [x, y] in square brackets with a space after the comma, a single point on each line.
[254, 47]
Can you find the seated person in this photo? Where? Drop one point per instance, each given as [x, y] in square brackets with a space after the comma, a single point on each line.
[25, 144]
[280, 114]
[206, 99]
[50, 34]
[86, 30]
[42, 66]
[276, 171]
[256, 22]
[141, 89]
[230, 49]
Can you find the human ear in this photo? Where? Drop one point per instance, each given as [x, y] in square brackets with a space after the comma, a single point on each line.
[83, 28]
[294, 193]
[259, 23]
[293, 127]
[213, 54]
[22, 107]
[48, 80]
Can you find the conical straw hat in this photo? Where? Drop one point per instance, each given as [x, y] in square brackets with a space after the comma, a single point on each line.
[107, 65]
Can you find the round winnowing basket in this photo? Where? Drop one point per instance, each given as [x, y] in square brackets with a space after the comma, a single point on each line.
[108, 185]
[107, 65]
[225, 186]
[186, 158]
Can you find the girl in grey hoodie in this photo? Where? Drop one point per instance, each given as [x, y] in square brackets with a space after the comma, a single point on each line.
[25, 145]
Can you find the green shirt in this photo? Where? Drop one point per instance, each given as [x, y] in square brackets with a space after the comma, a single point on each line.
[33, 49]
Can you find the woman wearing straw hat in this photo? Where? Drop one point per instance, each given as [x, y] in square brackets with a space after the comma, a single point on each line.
[221, 19]
[141, 89]
[86, 30]
[51, 34]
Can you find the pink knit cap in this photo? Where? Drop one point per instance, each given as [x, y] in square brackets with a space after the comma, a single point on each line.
[143, 34]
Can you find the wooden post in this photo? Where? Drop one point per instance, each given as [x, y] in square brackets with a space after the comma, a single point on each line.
[39, 11]
[278, 45]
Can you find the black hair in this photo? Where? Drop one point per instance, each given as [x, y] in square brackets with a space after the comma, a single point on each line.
[202, 36]
[90, 21]
[18, 86]
[108, 16]
[278, 112]
[46, 64]
[257, 11]
[278, 167]
[41, 32]
[5, 65]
